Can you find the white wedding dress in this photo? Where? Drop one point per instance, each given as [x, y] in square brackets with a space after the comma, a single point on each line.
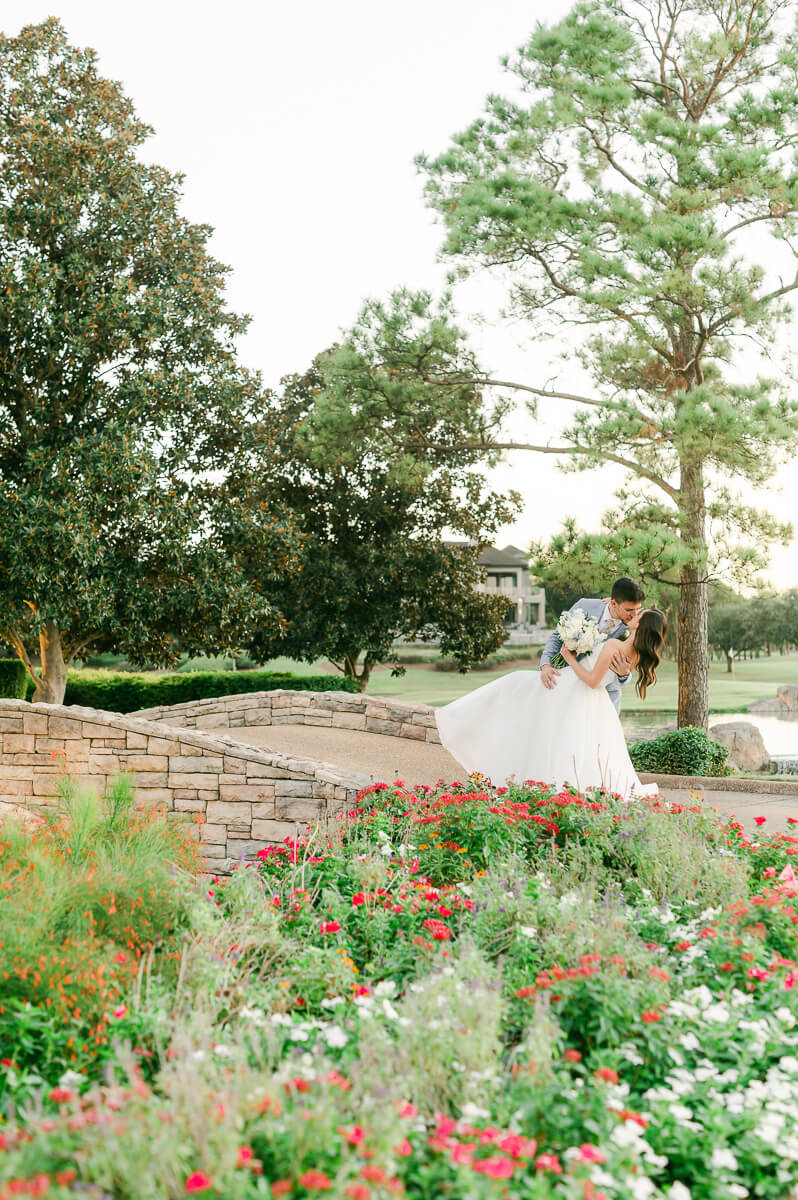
[516, 729]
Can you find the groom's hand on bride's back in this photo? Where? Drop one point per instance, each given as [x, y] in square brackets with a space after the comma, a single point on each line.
[548, 675]
[619, 664]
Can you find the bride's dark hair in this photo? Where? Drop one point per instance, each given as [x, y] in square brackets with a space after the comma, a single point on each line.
[649, 640]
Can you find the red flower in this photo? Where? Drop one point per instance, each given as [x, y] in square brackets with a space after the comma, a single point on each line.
[373, 1174]
[406, 1109]
[682, 945]
[61, 1095]
[330, 927]
[441, 932]
[245, 1156]
[404, 1149]
[197, 1181]
[120, 958]
[280, 1187]
[607, 1074]
[354, 1134]
[726, 966]
[572, 1055]
[656, 973]
[496, 1167]
[649, 1016]
[314, 1180]
[357, 1191]
[760, 820]
[358, 898]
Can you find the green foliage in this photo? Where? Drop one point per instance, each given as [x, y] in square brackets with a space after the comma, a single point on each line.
[88, 891]
[376, 559]
[125, 693]
[13, 678]
[119, 386]
[686, 751]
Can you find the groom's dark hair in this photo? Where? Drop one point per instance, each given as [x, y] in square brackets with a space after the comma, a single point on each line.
[627, 591]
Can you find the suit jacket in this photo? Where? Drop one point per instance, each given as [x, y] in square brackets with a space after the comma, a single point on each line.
[593, 608]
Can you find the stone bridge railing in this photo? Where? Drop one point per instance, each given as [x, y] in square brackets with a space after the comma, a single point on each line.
[338, 710]
[246, 797]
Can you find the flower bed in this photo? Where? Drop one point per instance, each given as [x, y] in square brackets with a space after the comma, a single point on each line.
[449, 992]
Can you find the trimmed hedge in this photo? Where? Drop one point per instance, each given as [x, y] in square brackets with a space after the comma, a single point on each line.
[14, 679]
[687, 751]
[125, 693]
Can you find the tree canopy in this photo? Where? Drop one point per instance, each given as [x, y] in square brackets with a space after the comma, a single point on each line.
[119, 386]
[631, 192]
[387, 547]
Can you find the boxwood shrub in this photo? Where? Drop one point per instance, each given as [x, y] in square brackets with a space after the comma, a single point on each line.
[124, 693]
[14, 679]
[687, 751]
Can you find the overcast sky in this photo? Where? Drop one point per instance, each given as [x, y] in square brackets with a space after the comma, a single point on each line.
[295, 125]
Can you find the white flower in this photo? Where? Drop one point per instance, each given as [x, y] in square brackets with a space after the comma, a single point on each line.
[677, 1191]
[785, 1016]
[332, 1001]
[527, 931]
[390, 1011]
[723, 1159]
[473, 1112]
[224, 1051]
[640, 1187]
[279, 1018]
[386, 987]
[681, 1113]
[335, 1037]
[298, 1034]
[737, 1189]
[789, 1064]
[627, 1134]
[71, 1079]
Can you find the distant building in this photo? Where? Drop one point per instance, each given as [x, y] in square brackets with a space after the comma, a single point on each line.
[507, 574]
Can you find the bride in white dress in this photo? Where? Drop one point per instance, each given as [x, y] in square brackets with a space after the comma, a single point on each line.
[516, 729]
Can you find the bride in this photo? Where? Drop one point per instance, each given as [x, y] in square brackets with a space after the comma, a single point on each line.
[516, 729]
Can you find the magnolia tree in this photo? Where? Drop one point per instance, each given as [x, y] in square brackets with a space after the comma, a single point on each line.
[630, 193]
[118, 386]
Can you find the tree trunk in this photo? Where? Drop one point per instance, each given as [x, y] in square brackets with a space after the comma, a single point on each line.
[351, 672]
[730, 663]
[53, 675]
[693, 640]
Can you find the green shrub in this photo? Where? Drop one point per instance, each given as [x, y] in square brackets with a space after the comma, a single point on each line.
[14, 679]
[124, 693]
[688, 751]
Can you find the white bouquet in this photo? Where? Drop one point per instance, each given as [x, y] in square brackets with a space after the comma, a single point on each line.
[579, 633]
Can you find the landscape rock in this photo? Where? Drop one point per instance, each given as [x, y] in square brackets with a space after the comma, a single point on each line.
[788, 695]
[744, 741]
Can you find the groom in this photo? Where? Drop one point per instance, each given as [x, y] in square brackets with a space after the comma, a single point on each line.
[615, 617]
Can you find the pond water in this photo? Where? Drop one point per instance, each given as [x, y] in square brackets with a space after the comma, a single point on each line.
[780, 734]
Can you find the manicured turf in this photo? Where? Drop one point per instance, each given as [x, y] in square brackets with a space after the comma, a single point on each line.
[753, 680]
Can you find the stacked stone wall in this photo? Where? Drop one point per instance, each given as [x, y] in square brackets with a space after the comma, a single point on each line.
[337, 710]
[244, 798]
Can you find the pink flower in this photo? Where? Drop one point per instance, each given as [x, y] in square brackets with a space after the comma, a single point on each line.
[548, 1162]
[120, 1012]
[463, 1152]
[245, 1156]
[354, 1134]
[404, 1149]
[357, 1191]
[61, 1095]
[588, 1153]
[496, 1167]
[791, 980]
[197, 1181]
[769, 873]
[518, 1146]
[757, 973]
[789, 882]
[406, 1109]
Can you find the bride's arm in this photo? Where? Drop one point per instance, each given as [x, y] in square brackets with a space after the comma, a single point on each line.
[594, 676]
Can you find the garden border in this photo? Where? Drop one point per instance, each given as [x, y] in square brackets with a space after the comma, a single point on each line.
[245, 797]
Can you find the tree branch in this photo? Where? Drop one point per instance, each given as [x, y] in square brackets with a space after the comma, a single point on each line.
[16, 641]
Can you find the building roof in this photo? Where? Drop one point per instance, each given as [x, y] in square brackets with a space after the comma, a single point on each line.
[510, 556]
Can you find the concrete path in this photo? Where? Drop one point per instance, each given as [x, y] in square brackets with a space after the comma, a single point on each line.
[388, 758]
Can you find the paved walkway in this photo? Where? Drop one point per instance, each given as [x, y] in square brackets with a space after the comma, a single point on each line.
[388, 758]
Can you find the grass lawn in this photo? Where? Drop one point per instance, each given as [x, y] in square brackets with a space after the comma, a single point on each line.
[753, 680]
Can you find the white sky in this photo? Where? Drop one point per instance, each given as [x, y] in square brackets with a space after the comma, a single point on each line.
[296, 124]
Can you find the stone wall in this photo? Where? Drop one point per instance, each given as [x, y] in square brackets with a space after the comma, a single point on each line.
[246, 798]
[339, 710]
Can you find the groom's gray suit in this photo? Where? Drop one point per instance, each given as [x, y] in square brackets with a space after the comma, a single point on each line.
[593, 608]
